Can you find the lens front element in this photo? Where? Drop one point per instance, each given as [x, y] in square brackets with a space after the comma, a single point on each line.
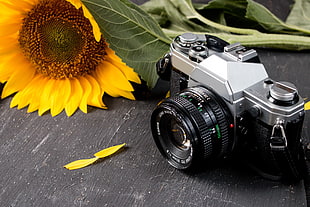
[178, 135]
[174, 135]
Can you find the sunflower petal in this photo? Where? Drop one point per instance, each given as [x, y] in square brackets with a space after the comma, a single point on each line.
[87, 91]
[75, 97]
[45, 102]
[16, 100]
[8, 66]
[18, 5]
[95, 98]
[111, 75]
[116, 92]
[127, 94]
[7, 51]
[23, 97]
[101, 154]
[8, 11]
[110, 89]
[96, 29]
[130, 74]
[60, 96]
[18, 80]
[76, 3]
[33, 106]
[37, 88]
[4, 41]
[80, 163]
[109, 151]
[307, 105]
[8, 29]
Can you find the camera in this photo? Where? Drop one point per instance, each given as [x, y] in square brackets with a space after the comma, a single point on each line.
[222, 104]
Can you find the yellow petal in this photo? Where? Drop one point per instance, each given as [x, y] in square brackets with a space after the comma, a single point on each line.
[60, 96]
[80, 163]
[101, 154]
[38, 88]
[109, 151]
[95, 98]
[96, 29]
[75, 98]
[9, 40]
[45, 103]
[115, 92]
[307, 105]
[22, 75]
[11, 28]
[18, 5]
[16, 100]
[9, 64]
[8, 11]
[8, 50]
[111, 75]
[128, 72]
[86, 92]
[76, 3]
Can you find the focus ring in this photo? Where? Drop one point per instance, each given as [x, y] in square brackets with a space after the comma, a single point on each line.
[221, 121]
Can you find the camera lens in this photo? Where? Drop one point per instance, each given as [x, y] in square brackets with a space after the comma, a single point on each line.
[196, 125]
[178, 134]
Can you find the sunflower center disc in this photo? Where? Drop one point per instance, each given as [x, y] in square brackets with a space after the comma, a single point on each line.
[58, 40]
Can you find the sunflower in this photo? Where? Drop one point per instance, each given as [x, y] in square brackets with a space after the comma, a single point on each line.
[53, 57]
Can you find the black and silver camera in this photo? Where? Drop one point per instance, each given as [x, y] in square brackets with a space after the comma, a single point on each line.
[222, 103]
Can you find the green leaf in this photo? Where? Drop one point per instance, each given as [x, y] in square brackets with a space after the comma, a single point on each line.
[269, 21]
[173, 15]
[280, 41]
[300, 14]
[185, 18]
[258, 26]
[252, 15]
[135, 37]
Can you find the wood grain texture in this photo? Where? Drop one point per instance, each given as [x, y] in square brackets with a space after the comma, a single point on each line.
[33, 150]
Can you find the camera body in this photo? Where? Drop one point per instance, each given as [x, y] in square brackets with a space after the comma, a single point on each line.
[221, 102]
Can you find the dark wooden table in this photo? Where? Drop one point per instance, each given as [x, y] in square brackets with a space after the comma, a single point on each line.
[34, 149]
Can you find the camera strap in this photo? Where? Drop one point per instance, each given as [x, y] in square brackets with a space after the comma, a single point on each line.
[306, 151]
[285, 161]
[281, 153]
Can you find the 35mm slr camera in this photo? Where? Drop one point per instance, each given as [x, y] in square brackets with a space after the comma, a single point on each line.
[222, 103]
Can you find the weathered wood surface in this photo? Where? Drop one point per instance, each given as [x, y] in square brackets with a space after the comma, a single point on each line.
[33, 150]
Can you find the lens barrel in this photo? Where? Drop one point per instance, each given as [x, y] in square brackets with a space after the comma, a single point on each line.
[193, 126]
